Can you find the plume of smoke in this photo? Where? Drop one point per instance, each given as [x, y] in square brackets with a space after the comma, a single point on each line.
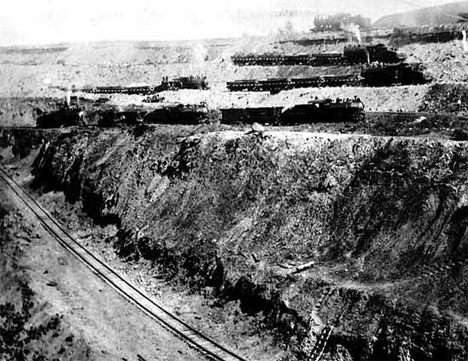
[353, 29]
[465, 45]
[68, 96]
[199, 54]
[287, 31]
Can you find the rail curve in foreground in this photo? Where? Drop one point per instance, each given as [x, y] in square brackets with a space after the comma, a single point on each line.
[178, 327]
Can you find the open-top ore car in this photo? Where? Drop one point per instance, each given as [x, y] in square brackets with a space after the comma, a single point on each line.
[263, 115]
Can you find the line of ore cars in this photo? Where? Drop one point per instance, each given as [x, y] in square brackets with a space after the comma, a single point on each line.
[378, 66]
[317, 110]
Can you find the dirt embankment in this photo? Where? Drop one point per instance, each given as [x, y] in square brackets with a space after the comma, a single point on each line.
[22, 111]
[384, 221]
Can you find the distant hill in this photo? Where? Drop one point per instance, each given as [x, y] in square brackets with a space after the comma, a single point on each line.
[435, 15]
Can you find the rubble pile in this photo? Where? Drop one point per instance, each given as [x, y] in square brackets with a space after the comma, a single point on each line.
[450, 98]
[444, 62]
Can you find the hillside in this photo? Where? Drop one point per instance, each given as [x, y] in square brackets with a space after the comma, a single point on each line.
[41, 72]
[328, 240]
[435, 15]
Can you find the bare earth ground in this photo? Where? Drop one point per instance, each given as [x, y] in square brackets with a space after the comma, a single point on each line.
[127, 63]
[97, 312]
[221, 322]
[113, 328]
[225, 323]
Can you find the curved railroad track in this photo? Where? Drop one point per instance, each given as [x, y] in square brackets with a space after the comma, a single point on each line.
[178, 327]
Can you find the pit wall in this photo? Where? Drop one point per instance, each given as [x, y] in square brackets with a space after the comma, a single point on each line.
[19, 144]
[383, 219]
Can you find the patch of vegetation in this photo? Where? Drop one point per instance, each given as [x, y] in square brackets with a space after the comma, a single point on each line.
[22, 336]
[16, 337]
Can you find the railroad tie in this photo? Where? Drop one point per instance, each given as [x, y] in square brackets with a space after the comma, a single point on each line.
[165, 318]
[321, 344]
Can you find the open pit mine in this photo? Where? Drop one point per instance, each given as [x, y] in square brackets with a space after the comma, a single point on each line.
[294, 199]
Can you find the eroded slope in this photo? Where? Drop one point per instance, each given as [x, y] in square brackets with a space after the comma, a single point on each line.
[382, 219]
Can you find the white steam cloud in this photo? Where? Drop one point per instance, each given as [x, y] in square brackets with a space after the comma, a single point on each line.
[465, 45]
[353, 29]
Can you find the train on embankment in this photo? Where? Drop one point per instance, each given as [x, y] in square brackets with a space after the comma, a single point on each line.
[351, 55]
[372, 75]
[189, 82]
[314, 111]
[317, 110]
[109, 116]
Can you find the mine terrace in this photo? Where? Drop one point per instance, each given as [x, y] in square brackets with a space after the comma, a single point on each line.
[298, 196]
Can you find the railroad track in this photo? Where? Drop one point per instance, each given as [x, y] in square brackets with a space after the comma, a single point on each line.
[178, 327]
[15, 128]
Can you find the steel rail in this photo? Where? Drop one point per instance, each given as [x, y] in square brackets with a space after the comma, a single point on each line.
[180, 328]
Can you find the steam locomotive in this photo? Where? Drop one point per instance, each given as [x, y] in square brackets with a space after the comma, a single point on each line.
[178, 114]
[392, 74]
[352, 55]
[326, 110]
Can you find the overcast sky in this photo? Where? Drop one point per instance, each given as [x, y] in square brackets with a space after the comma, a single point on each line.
[52, 21]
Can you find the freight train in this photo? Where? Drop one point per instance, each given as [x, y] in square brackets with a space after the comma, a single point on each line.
[326, 110]
[317, 110]
[277, 84]
[427, 34]
[370, 75]
[351, 55]
[190, 82]
[109, 116]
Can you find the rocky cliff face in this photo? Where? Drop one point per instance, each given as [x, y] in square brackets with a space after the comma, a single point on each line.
[382, 220]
